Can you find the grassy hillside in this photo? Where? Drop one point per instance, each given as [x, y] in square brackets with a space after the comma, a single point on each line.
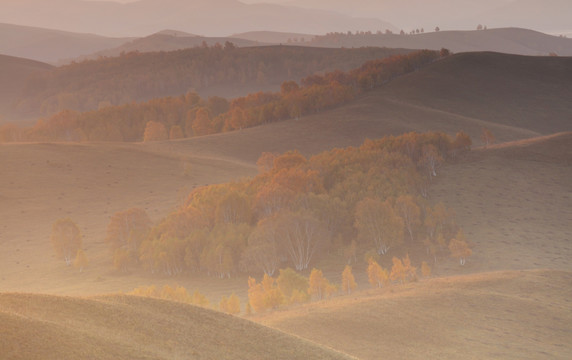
[510, 90]
[492, 191]
[49, 45]
[15, 72]
[509, 315]
[514, 203]
[208, 71]
[516, 97]
[168, 41]
[123, 327]
[41, 183]
[505, 40]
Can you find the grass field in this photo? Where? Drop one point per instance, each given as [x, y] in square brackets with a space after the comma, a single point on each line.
[501, 315]
[123, 327]
[513, 200]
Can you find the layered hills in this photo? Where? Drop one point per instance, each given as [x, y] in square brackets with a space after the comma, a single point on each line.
[51, 46]
[123, 327]
[506, 40]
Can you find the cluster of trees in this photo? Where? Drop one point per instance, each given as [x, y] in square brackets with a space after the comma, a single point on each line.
[135, 76]
[289, 287]
[189, 115]
[297, 209]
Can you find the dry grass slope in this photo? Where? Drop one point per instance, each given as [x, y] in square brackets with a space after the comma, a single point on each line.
[508, 315]
[124, 327]
[514, 202]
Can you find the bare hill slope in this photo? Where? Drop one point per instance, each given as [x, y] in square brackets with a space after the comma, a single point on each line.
[517, 91]
[504, 40]
[514, 202]
[509, 315]
[14, 73]
[123, 327]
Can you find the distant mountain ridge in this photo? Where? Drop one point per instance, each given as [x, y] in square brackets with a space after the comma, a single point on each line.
[51, 46]
[205, 17]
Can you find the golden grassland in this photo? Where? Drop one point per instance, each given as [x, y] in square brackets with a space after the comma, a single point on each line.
[128, 327]
[508, 315]
[513, 201]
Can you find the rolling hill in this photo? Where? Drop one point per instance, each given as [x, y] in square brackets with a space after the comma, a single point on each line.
[520, 314]
[506, 40]
[15, 72]
[516, 97]
[205, 17]
[44, 182]
[168, 41]
[51, 46]
[123, 327]
[207, 71]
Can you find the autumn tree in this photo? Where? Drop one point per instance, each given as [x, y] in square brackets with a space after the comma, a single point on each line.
[300, 236]
[127, 230]
[233, 305]
[487, 137]
[425, 269]
[376, 275]
[255, 295]
[319, 287]
[262, 250]
[459, 248]
[202, 123]
[402, 271]
[348, 281]
[176, 132]
[410, 212]
[155, 131]
[430, 160]
[377, 221]
[462, 143]
[293, 286]
[66, 239]
[81, 260]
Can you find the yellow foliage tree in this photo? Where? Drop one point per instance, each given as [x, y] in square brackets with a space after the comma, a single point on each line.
[348, 281]
[155, 131]
[320, 288]
[377, 275]
[81, 260]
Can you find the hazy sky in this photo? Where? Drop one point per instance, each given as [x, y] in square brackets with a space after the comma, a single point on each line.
[225, 17]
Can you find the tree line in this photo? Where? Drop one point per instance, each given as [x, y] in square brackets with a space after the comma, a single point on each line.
[189, 115]
[136, 77]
